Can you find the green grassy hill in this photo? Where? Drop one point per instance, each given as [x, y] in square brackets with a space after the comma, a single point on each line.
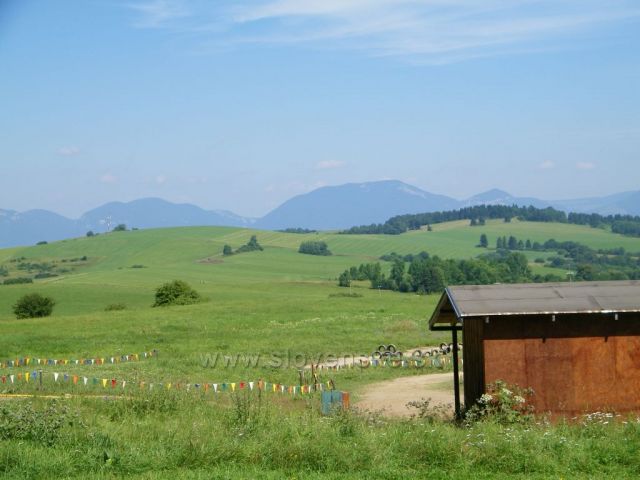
[274, 301]
[277, 298]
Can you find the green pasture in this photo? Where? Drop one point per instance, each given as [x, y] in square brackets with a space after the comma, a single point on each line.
[260, 303]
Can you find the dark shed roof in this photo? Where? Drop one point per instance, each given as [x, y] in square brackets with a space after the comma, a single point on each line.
[458, 302]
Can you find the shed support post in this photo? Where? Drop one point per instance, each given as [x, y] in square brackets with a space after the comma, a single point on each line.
[456, 372]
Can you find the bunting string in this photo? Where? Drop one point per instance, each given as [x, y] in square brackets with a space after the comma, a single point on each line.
[38, 377]
[111, 359]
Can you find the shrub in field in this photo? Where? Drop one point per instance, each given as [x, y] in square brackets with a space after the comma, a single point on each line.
[17, 280]
[112, 307]
[314, 247]
[45, 275]
[21, 421]
[176, 292]
[33, 305]
[505, 404]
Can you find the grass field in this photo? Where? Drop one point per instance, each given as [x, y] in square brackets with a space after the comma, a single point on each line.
[257, 303]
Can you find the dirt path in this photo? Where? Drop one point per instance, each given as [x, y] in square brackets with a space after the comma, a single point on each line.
[391, 396]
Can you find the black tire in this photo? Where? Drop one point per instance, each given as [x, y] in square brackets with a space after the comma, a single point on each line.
[376, 354]
[443, 346]
[382, 348]
[392, 348]
[417, 354]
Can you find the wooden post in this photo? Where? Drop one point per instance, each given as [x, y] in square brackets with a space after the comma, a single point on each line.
[456, 372]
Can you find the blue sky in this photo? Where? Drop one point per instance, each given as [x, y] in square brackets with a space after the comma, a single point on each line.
[242, 104]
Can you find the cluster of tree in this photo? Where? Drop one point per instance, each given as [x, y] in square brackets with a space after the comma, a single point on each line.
[366, 271]
[426, 274]
[314, 247]
[4, 271]
[626, 227]
[297, 230]
[477, 222]
[121, 227]
[410, 257]
[513, 243]
[251, 246]
[35, 266]
[587, 263]
[590, 264]
[624, 224]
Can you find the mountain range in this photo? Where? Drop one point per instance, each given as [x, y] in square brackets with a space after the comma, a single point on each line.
[326, 208]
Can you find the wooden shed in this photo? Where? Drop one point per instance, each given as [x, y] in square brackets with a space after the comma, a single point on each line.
[576, 344]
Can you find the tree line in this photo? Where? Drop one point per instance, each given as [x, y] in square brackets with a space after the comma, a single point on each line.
[423, 273]
[623, 224]
[588, 263]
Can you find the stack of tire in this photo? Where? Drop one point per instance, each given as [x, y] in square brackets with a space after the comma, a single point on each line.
[444, 349]
[387, 352]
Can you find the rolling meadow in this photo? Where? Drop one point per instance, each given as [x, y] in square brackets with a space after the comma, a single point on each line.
[263, 303]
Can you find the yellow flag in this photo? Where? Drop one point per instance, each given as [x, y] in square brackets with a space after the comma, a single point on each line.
[233, 387]
[168, 386]
[26, 376]
[104, 382]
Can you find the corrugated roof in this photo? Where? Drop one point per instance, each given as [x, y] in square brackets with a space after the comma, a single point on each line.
[541, 298]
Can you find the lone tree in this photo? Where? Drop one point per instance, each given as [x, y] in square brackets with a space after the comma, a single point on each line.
[176, 292]
[121, 227]
[227, 250]
[33, 305]
[484, 242]
[344, 280]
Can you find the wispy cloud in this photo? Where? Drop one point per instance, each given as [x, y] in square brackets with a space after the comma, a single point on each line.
[433, 31]
[546, 165]
[68, 151]
[329, 164]
[160, 13]
[161, 179]
[585, 165]
[108, 178]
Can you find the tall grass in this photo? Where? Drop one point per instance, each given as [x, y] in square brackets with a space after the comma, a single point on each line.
[172, 434]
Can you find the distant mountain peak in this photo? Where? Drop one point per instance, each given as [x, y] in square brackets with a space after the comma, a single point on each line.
[343, 206]
[493, 194]
[325, 208]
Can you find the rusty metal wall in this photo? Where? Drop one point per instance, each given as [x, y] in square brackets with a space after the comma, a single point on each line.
[473, 366]
[570, 370]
